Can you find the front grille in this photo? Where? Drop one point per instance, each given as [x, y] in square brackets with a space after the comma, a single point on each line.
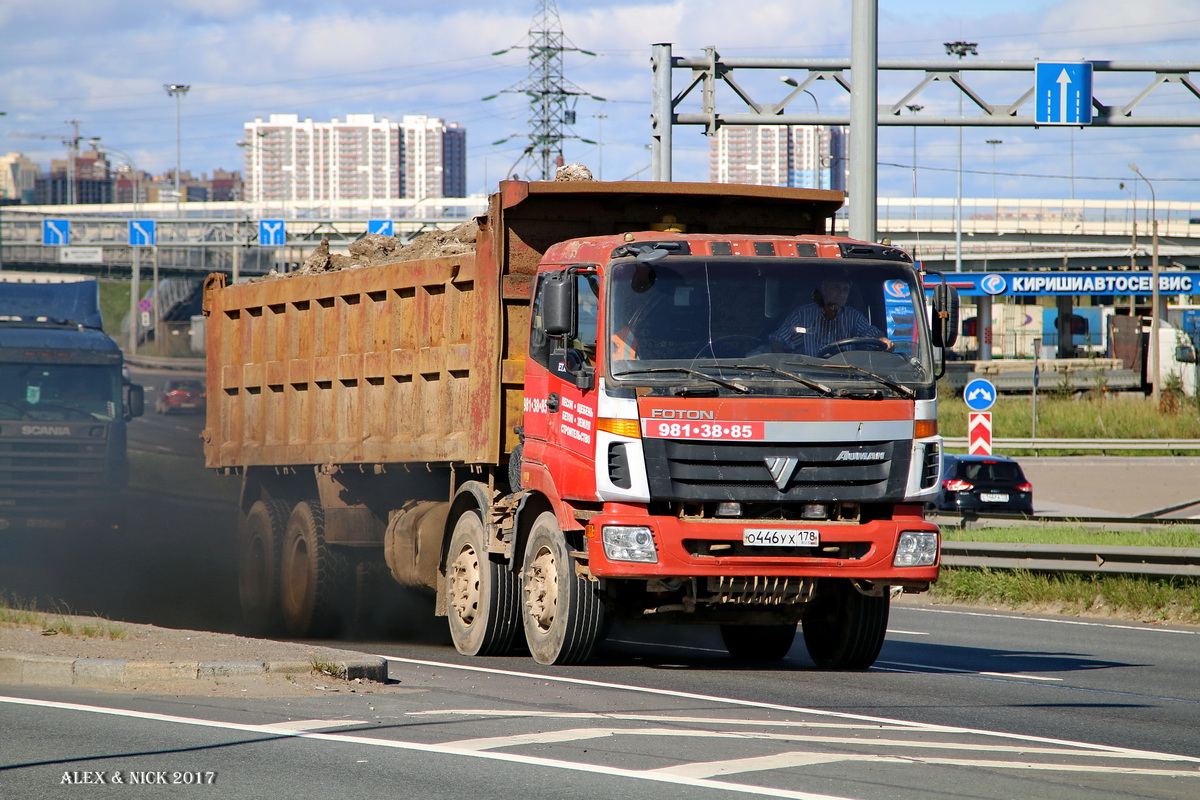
[760, 590]
[50, 475]
[742, 471]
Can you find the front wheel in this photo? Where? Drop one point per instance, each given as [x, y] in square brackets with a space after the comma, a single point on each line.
[562, 611]
[481, 593]
[843, 628]
[758, 642]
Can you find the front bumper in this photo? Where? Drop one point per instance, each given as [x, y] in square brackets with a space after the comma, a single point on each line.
[713, 547]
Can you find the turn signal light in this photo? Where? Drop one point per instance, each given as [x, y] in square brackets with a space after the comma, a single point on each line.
[631, 428]
[924, 428]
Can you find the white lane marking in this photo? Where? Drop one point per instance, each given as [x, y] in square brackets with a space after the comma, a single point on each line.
[907, 633]
[580, 734]
[931, 668]
[294, 725]
[1085, 623]
[707, 769]
[667, 646]
[778, 707]
[492, 712]
[799, 759]
[341, 738]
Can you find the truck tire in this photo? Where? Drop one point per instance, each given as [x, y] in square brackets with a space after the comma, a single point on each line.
[843, 628]
[260, 538]
[481, 593]
[316, 579]
[758, 642]
[562, 612]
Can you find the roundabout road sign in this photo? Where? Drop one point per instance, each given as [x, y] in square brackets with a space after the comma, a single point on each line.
[979, 394]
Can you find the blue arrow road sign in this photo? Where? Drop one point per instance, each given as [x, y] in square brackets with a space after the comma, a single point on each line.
[56, 232]
[383, 227]
[980, 394]
[271, 233]
[141, 233]
[1062, 93]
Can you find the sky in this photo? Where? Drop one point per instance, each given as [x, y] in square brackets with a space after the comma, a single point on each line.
[104, 63]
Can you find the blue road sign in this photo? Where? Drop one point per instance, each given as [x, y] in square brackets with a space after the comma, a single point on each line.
[1062, 93]
[980, 394]
[56, 232]
[383, 227]
[271, 233]
[142, 233]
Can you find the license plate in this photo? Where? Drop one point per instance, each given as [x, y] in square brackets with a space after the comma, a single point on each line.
[780, 537]
[993, 497]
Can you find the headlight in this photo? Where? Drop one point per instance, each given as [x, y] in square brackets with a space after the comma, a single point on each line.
[629, 543]
[916, 549]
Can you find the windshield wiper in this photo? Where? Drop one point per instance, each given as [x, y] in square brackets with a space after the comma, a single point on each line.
[899, 388]
[737, 387]
[817, 387]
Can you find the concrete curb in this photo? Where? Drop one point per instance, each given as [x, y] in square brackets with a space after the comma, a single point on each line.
[23, 668]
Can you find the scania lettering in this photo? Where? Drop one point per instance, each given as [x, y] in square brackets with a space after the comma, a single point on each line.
[618, 407]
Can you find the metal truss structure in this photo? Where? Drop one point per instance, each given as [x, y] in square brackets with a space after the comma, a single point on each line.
[709, 70]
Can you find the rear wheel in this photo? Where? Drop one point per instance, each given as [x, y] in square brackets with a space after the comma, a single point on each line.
[562, 612]
[260, 537]
[758, 642]
[481, 593]
[316, 578]
[843, 628]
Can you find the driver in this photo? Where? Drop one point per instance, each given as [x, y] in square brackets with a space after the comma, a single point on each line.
[827, 319]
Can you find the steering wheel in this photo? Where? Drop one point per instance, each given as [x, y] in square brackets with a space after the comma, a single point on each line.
[853, 343]
[730, 351]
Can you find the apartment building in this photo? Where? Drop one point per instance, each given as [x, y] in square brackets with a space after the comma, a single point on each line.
[360, 158]
[805, 156]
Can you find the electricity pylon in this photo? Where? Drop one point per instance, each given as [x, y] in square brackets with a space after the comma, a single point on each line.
[552, 97]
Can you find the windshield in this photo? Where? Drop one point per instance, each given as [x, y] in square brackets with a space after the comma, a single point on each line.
[820, 326]
[56, 392]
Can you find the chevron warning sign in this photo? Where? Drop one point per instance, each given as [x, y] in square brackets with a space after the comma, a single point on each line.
[979, 433]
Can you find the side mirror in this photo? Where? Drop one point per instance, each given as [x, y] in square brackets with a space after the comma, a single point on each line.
[136, 403]
[558, 305]
[945, 315]
[1184, 354]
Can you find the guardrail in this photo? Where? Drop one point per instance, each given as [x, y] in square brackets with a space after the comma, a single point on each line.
[1036, 444]
[1110, 559]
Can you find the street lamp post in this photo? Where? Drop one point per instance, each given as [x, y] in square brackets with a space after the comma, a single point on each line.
[1156, 387]
[994, 143]
[962, 50]
[912, 109]
[177, 90]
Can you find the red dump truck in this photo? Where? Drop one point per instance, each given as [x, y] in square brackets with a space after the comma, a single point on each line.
[634, 401]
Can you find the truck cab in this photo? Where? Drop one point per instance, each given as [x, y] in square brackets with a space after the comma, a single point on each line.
[64, 404]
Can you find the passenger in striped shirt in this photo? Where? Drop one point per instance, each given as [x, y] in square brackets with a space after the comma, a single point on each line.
[827, 319]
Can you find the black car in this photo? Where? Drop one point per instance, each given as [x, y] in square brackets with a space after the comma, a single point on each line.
[984, 484]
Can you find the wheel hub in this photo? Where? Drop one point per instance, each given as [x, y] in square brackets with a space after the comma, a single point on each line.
[464, 586]
[541, 589]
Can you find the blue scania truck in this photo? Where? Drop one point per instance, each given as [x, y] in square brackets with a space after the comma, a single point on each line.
[64, 406]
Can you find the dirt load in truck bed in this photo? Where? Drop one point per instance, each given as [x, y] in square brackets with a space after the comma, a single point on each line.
[373, 250]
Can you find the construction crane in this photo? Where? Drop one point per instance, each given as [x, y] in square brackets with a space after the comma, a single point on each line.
[72, 145]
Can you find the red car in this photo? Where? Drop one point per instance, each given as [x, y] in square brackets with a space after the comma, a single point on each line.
[180, 394]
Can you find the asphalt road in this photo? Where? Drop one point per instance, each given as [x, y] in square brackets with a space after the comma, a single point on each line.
[961, 704]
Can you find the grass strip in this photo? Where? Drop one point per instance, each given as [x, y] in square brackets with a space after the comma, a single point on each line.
[1164, 600]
